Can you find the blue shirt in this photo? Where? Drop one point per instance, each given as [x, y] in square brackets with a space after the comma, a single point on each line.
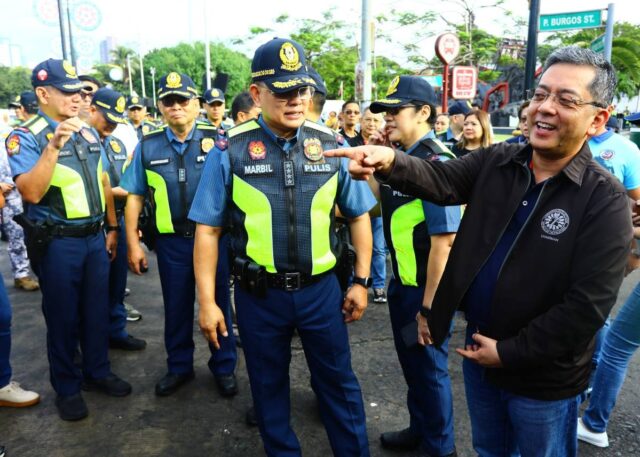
[26, 158]
[477, 301]
[439, 219]
[211, 203]
[619, 156]
[134, 178]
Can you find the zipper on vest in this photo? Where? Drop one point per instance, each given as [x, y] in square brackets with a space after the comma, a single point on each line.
[91, 182]
[289, 184]
[182, 186]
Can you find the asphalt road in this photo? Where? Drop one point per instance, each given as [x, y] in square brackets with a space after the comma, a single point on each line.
[196, 421]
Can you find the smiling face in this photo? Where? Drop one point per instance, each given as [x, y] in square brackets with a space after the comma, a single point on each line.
[283, 114]
[557, 131]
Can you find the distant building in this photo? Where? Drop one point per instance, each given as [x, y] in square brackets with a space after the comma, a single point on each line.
[106, 46]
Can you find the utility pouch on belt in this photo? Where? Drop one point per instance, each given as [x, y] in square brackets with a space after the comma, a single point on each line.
[346, 259]
[250, 276]
[147, 223]
[36, 237]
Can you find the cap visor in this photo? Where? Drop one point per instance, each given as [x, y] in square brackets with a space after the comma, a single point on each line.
[181, 93]
[135, 105]
[113, 118]
[380, 106]
[14, 105]
[210, 101]
[70, 87]
[633, 117]
[288, 83]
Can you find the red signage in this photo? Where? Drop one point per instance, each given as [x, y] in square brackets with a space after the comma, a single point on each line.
[447, 47]
[463, 85]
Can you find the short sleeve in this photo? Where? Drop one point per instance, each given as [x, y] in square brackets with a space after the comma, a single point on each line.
[210, 202]
[134, 179]
[23, 151]
[441, 219]
[354, 197]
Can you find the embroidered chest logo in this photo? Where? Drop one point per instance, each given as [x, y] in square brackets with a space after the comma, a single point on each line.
[313, 149]
[607, 154]
[115, 147]
[555, 222]
[257, 150]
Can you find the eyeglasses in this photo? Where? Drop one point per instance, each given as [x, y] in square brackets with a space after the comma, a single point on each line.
[304, 93]
[86, 95]
[350, 112]
[564, 100]
[171, 100]
[395, 111]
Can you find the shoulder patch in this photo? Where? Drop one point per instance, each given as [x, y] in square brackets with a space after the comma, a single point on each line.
[154, 133]
[242, 128]
[13, 145]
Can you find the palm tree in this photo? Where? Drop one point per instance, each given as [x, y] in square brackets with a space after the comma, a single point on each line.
[119, 57]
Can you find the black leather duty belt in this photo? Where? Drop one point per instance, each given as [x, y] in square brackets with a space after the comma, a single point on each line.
[77, 231]
[294, 280]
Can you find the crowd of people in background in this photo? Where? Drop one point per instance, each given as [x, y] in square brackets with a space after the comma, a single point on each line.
[89, 164]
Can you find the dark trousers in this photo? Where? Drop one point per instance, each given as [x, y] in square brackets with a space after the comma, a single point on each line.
[267, 325]
[117, 284]
[175, 264]
[73, 276]
[5, 336]
[425, 370]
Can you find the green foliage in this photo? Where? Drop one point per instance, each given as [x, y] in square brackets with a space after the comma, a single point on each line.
[190, 59]
[13, 81]
[625, 52]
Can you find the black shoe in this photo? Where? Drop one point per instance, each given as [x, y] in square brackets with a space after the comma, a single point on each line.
[72, 407]
[250, 417]
[402, 440]
[129, 343]
[111, 385]
[172, 382]
[227, 384]
[2, 451]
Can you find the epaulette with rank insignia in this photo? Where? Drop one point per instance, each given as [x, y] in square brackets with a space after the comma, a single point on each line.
[246, 126]
[437, 147]
[154, 133]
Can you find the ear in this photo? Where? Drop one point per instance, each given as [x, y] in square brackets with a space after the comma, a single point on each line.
[599, 120]
[256, 96]
[42, 95]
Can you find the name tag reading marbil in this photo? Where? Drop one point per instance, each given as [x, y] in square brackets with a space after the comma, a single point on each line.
[289, 176]
[182, 175]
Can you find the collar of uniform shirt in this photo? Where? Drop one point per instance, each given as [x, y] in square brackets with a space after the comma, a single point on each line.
[603, 136]
[284, 143]
[413, 148]
[178, 145]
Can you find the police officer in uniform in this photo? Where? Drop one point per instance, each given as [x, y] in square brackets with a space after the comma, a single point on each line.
[137, 112]
[168, 163]
[280, 193]
[214, 105]
[57, 163]
[419, 235]
[105, 113]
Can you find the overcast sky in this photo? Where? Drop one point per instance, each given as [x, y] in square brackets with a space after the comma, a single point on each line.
[150, 24]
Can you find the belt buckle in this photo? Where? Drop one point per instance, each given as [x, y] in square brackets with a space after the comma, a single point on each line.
[292, 281]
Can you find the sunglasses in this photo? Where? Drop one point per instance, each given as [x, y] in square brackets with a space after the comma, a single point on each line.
[171, 100]
[350, 112]
[395, 111]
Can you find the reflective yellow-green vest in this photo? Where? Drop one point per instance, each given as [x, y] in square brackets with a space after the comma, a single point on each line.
[173, 178]
[405, 226]
[75, 191]
[283, 203]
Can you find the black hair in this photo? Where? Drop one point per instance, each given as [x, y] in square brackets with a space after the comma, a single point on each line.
[90, 79]
[433, 115]
[241, 103]
[349, 102]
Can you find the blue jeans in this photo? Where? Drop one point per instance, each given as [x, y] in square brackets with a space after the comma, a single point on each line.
[426, 373]
[619, 343]
[5, 336]
[379, 255]
[505, 424]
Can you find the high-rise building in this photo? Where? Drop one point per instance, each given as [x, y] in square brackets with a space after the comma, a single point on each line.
[106, 46]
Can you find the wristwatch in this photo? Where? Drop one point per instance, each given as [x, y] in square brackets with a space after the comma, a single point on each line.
[425, 312]
[112, 228]
[364, 282]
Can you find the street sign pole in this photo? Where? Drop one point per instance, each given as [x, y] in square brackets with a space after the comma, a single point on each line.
[532, 46]
[608, 34]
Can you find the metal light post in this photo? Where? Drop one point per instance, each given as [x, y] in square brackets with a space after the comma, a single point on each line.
[207, 51]
[144, 92]
[129, 71]
[532, 46]
[608, 34]
[152, 70]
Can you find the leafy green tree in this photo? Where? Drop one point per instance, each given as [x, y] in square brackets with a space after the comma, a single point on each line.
[13, 81]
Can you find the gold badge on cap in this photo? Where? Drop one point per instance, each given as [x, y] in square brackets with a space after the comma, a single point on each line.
[120, 105]
[69, 69]
[134, 99]
[289, 56]
[206, 144]
[313, 149]
[215, 93]
[174, 80]
[393, 86]
[115, 146]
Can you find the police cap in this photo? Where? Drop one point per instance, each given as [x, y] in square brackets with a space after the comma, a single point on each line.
[213, 95]
[135, 102]
[281, 65]
[458, 107]
[111, 103]
[15, 103]
[177, 84]
[404, 90]
[633, 117]
[57, 73]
